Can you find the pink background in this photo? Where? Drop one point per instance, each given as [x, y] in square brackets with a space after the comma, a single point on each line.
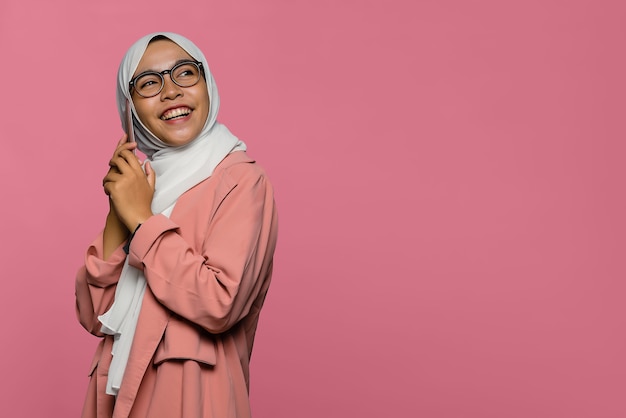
[450, 177]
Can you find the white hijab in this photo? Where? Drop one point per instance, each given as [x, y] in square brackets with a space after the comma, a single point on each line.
[177, 170]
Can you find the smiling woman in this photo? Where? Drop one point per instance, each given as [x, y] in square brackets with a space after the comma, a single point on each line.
[175, 282]
[169, 93]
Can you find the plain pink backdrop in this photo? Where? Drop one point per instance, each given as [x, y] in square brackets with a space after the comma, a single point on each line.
[450, 177]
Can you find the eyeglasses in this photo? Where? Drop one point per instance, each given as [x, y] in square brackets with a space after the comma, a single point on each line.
[183, 74]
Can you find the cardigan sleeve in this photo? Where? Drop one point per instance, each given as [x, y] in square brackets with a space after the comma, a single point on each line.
[216, 286]
[95, 284]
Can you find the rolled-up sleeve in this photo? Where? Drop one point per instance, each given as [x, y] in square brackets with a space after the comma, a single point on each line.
[95, 284]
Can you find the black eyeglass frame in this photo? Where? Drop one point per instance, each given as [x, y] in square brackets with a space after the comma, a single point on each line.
[161, 74]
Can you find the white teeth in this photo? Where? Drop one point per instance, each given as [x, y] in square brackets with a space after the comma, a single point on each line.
[174, 113]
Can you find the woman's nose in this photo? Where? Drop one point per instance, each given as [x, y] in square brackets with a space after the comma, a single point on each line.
[170, 90]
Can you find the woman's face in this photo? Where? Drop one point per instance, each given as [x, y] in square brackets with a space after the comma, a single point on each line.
[177, 114]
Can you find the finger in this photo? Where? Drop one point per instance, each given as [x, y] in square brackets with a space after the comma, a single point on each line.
[151, 175]
[121, 146]
[111, 177]
[107, 188]
[131, 159]
[125, 146]
[124, 151]
[118, 163]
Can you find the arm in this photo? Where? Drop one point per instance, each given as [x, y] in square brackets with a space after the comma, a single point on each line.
[114, 234]
[129, 190]
[214, 287]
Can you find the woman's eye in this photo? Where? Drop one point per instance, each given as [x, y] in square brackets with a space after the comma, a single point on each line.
[186, 71]
[147, 82]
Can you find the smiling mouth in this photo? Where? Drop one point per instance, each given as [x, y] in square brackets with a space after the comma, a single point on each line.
[177, 113]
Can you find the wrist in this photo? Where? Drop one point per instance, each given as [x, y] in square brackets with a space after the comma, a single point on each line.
[113, 221]
[135, 223]
[127, 246]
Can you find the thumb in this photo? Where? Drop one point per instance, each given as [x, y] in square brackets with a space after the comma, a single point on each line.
[150, 174]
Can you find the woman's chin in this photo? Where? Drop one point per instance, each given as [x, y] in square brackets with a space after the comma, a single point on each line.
[177, 141]
[177, 137]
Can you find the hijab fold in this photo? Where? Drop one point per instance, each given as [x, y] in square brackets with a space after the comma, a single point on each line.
[177, 170]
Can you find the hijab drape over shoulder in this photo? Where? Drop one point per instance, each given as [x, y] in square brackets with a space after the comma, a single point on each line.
[177, 170]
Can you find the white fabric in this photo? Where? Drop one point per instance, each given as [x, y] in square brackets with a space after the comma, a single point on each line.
[177, 170]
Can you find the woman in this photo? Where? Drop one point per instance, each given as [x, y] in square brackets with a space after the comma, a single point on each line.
[176, 280]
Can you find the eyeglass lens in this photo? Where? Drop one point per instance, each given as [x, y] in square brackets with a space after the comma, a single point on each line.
[185, 74]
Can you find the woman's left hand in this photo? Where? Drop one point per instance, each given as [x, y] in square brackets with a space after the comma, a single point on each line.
[129, 187]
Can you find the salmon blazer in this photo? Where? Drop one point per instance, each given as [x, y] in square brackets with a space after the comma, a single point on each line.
[208, 268]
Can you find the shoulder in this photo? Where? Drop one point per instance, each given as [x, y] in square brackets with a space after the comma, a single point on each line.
[239, 169]
[237, 184]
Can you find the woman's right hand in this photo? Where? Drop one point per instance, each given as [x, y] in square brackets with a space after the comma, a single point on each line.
[112, 169]
[130, 185]
[115, 232]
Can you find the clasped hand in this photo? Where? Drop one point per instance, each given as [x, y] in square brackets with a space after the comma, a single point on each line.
[128, 186]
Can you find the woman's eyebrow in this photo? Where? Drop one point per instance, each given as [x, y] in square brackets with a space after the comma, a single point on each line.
[180, 61]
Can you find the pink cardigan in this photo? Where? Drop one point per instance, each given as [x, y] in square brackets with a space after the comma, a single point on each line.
[208, 268]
